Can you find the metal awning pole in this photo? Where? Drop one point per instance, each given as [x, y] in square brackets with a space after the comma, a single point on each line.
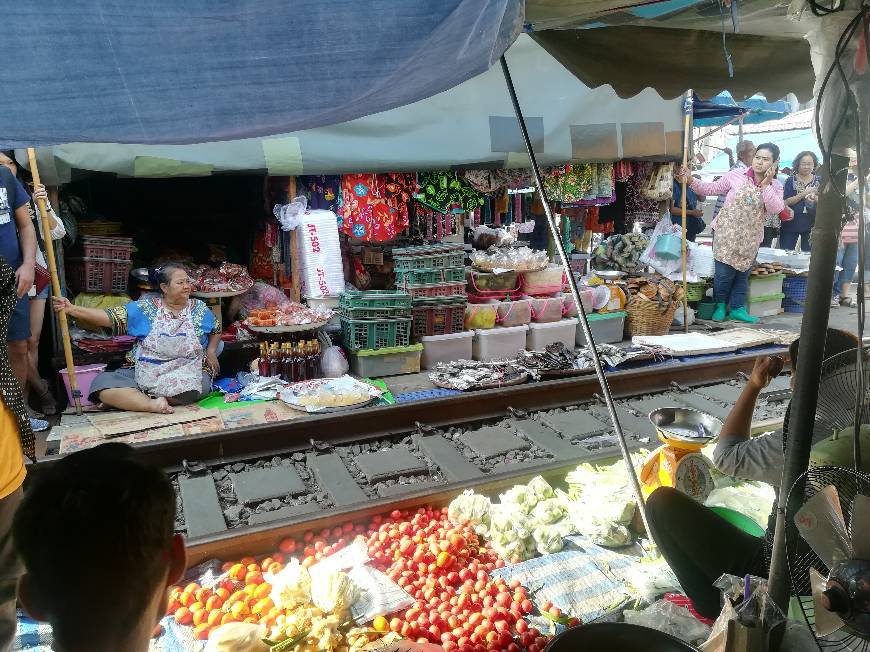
[584, 323]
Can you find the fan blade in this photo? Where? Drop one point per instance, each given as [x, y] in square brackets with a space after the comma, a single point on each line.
[826, 622]
[820, 522]
[861, 527]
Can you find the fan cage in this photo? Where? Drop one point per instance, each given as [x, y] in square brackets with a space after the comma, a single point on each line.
[801, 558]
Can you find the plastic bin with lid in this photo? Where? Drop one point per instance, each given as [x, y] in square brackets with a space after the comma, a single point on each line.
[446, 348]
[393, 361]
[570, 310]
[513, 313]
[606, 327]
[546, 310]
[540, 336]
[765, 306]
[549, 280]
[483, 283]
[765, 286]
[498, 343]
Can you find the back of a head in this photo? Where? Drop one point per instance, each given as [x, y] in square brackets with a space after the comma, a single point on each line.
[836, 341]
[94, 531]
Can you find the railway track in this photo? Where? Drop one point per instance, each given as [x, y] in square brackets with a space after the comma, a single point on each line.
[239, 492]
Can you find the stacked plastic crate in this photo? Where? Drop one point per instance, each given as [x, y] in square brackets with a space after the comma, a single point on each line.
[376, 326]
[434, 276]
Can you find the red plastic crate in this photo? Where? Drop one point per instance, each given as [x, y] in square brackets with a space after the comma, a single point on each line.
[106, 248]
[441, 319]
[432, 291]
[99, 275]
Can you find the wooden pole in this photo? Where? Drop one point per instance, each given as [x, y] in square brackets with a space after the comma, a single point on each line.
[45, 220]
[294, 243]
[687, 125]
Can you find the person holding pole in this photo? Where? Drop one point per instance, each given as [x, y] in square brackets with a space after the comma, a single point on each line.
[18, 249]
[739, 227]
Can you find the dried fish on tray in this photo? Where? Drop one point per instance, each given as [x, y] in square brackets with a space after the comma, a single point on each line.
[555, 361]
[468, 375]
[615, 356]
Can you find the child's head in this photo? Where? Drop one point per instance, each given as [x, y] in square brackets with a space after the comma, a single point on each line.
[95, 532]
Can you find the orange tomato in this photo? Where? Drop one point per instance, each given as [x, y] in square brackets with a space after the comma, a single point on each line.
[228, 618]
[183, 616]
[238, 572]
[196, 606]
[254, 577]
[172, 607]
[308, 562]
[245, 561]
[214, 618]
[262, 606]
[201, 631]
[186, 598]
[214, 602]
[200, 617]
[223, 593]
[250, 619]
[193, 587]
[287, 545]
[240, 609]
[202, 595]
[263, 590]
[238, 596]
[275, 567]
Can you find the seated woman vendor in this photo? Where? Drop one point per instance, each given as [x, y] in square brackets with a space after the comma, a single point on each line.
[698, 544]
[175, 357]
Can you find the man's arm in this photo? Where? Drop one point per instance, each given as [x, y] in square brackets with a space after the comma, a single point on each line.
[27, 241]
[738, 425]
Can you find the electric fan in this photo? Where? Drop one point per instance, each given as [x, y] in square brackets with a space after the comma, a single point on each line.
[829, 542]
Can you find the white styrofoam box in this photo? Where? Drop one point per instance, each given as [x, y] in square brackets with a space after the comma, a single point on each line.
[319, 251]
[764, 286]
[498, 343]
[540, 336]
[446, 348]
[330, 302]
[606, 327]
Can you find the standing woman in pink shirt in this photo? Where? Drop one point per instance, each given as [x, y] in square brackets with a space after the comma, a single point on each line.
[750, 194]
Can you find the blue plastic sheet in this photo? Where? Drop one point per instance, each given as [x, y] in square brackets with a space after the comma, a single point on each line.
[190, 71]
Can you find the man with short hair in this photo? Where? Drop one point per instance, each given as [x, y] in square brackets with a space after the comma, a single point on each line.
[96, 534]
[745, 152]
[18, 248]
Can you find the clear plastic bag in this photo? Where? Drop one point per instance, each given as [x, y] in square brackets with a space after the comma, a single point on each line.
[333, 364]
[663, 267]
[521, 259]
[669, 618]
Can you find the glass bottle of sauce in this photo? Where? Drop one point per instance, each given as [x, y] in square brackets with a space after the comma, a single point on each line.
[263, 367]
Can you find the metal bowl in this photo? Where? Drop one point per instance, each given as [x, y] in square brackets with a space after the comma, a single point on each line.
[686, 424]
[609, 274]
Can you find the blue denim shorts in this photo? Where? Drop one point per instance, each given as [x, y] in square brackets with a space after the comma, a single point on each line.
[19, 324]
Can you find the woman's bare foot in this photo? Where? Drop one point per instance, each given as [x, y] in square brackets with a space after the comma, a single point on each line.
[161, 406]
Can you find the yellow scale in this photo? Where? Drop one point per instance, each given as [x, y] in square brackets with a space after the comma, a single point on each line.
[678, 462]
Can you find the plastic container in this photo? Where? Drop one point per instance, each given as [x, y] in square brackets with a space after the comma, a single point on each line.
[85, 375]
[669, 247]
[428, 257]
[438, 319]
[540, 336]
[765, 306]
[480, 315]
[100, 275]
[443, 291]
[111, 248]
[392, 361]
[498, 343]
[446, 348]
[549, 280]
[585, 298]
[374, 299]
[695, 291]
[375, 333]
[606, 327]
[546, 310]
[329, 302]
[482, 283]
[795, 290]
[740, 520]
[513, 313]
[765, 286]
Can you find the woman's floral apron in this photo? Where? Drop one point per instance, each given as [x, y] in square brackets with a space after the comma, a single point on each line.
[169, 359]
[737, 228]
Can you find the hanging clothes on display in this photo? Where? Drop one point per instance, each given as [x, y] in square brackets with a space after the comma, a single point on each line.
[442, 189]
[322, 190]
[568, 183]
[639, 209]
[485, 181]
[374, 207]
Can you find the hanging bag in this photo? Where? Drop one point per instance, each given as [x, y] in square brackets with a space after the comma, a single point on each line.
[659, 185]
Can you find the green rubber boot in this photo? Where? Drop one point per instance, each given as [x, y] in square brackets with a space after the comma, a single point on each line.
[740, 314]
[719, 313]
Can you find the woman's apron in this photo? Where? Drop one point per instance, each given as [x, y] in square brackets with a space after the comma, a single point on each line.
[738, 226]
[169, 359]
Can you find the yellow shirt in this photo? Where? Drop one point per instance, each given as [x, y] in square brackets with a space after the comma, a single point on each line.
[11, 458]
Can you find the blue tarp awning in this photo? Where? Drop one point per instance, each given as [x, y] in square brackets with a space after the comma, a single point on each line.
[722, 108]
[189, 71]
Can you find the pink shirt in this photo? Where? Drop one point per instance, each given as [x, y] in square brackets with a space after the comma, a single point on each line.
[730, 182]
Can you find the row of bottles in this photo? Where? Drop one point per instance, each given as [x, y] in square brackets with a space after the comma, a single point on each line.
[292, 362]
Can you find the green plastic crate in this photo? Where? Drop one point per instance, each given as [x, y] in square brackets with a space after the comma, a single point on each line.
[375, 313]
[429, 276]
[375, 333]
[375, 299]
[428, 257]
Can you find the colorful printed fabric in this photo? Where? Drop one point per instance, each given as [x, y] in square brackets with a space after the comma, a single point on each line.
[374, 207]
[568, 183]
[485, 181]
[323, 191]
[638, 208]
[441, 190]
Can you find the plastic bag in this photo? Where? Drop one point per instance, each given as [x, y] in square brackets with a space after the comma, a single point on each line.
[238, 637]
[262, 295]
[649, 257]
[669, 618]
[484, 237]
[291, 587]
[470, 508]
[333, 364]
[678, 316]
[290, 215]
